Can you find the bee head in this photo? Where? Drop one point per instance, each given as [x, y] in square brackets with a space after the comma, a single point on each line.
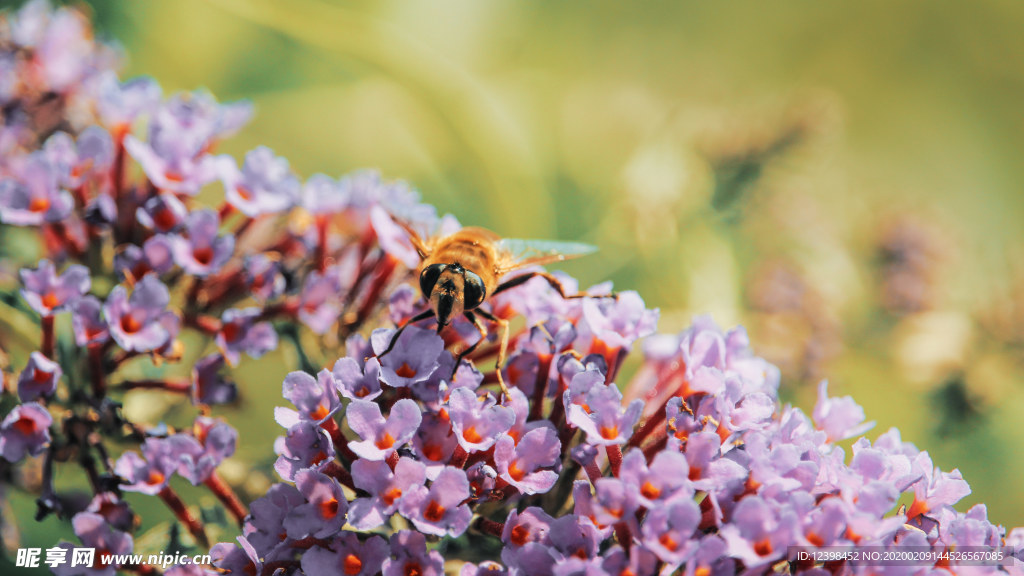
[451, 290]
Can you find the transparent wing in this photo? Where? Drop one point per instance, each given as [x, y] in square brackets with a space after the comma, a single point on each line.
[529, 252]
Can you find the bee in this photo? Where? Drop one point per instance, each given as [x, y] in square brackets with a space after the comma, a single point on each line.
[460, 271]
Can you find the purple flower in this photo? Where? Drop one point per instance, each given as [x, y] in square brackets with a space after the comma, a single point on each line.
[180, 133]
[413, 359]
[603, 419]
[162, 213]
[64, 53]
[240, 332]
[148, 475]
[323, 195]
[141, 322]
[614, 501]
[409, 556]
[760, 531]
[668, 529]
[316, 399]
[323, 514]
[477, 420]
[348, 556]
[39, 378]
[114, 510]
[380, 436]
[355, 382]
[120, 103]
[840, 418]
[77, 163]
[305, 445]
[320, 306]
[665, 479]
[264, 275]
[439, 510]
[47, 293]
[25, 430]
[936, 488]
[94, 532]
[619, 322]
[198, 456]
[385, 487]
[485, 568]
[33, 196]
[264, 185]
[521, 464]
[434, 442]
[200, 251]
[208, 386]
[265, 530]
[88, 323]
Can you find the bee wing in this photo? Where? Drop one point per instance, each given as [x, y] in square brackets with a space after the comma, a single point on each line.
[520, 253]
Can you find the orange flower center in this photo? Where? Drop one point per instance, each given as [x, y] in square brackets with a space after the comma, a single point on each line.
[203, 255]
[385, 441]
[413, 569]
[130, 324]
[40, 376]
[520, 535]
[363, 391]
[329, 508]
[405, 371]
[243, 192]
[609, 432]
[763, 547]
[650, 491]
[50, 299]
[319, 457]
[702, 571]
[25, 425]
[389, 496]
[353, 565]
[155, 478]
[695, 472]
[174, 176]
[164, 218]
[231, 331]
[433, 452]
[814, 539]
[515, 471]
[668, 542]
[39, 205]
[434, 512]
[320, 412]
[471, 435]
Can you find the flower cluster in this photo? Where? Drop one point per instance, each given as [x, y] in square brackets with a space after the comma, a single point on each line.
[402, 454]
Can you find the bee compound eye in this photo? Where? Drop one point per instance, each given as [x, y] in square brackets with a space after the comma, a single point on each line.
[473, 290]
[428, 277]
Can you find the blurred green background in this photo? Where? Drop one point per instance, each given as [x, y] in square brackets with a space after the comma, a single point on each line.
[843, 179]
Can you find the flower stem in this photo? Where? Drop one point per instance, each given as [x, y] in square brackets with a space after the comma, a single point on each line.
[48, 343]
[488, 526]
[227, 496]
[96, 373]
[614, 458]
[194, 526]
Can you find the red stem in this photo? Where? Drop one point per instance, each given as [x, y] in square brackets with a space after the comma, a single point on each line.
[459, 457]
[339, 473]
[195, 527]
[614, 457]
[624, 536]
[96, 373]
[321, 243]
[488, 526]
[48, 337]
[175, 386]
[593, 472]
[227, 496]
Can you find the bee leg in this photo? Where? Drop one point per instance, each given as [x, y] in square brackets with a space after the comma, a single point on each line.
[483, 336]
[502, 349]
[394, 339]
[552, 280]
